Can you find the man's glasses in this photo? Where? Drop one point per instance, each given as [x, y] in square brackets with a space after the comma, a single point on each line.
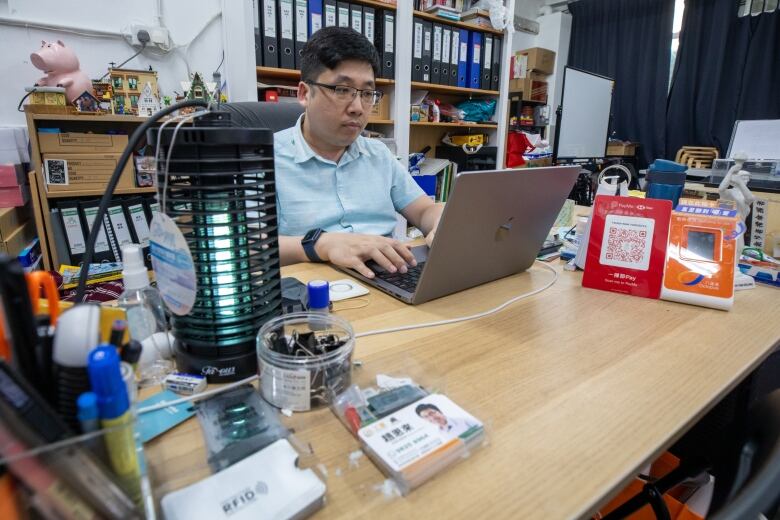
[346, 94]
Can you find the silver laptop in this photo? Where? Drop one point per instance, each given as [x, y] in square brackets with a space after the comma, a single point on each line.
[493, 225]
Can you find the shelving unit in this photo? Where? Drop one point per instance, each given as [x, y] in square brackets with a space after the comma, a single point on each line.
[40, 196]
[412, 136]
[461, 25]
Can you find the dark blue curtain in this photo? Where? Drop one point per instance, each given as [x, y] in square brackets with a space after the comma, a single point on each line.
[630, 42]
[728, 68]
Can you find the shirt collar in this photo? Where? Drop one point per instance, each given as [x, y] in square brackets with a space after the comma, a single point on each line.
[304, 152]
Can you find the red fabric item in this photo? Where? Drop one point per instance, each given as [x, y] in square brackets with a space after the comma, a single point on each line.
[516, 145]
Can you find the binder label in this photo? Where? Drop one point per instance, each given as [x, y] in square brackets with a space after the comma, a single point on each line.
[330, 15]
[464, 49]
[70, 218]
[455, 46]
[301, 33]
[369, 26]
[287, 19]
[138, 217]
[316, 22]
[445, 47]
[101, 244]
[427, 42]
[437, 43]
[389, 23]
[418, 30]
[119, 225]
[343, 16]
[488, 53]
[477, 50]
[357, 21]
[269, 18]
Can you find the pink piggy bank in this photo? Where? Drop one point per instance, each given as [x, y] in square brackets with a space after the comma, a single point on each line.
[62, 69]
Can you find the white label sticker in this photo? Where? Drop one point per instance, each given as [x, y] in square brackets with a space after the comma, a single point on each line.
[389, 32]
[455, 47]
[477, 49]
[301, 23]
[330, 15]
[427, 41]
[173, 266]
[101, 244]
[286, 13]
[437, 43]
[418, 30]
[445, 47]
[463, 50]
[627, 242]
[138, 217]
[488, 53]
[343, 16]
[316, 22]
[357, 21]
[269, 18]
[119, 225]
[284, 388]
[369, 28]
[70, 218]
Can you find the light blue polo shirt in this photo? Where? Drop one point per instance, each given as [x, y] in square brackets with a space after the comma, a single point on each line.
[360, 194]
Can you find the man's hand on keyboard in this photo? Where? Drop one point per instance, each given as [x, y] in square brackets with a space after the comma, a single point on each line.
[353, 250]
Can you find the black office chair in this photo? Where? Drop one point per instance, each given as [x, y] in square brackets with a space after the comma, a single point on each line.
[750, 483]
[756, 485]
[274, 116]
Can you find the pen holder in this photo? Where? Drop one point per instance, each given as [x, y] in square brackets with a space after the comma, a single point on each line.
[303, 359]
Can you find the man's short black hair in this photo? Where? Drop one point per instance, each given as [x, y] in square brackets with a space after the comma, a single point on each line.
[425, 406]
[330, 46]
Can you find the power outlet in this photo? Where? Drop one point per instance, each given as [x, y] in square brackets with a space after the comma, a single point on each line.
[159, 36]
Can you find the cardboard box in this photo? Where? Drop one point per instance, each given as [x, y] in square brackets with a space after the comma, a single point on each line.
[71, 142]
[14, 196]
[11, 219]
[622, 149]
[18, 239]
[77, 172]
[533, 87]
[536, 59]
[12, 175]
[380, 111]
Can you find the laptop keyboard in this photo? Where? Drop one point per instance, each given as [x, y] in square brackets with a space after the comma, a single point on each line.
[406, 281]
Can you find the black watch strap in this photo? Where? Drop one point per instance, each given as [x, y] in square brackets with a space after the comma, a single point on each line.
[309, 241]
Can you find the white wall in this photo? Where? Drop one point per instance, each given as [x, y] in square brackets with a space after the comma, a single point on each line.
[526, 9]
[555, 34]
[195, 25]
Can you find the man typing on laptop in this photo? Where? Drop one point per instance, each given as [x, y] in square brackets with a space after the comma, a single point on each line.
[338, 192]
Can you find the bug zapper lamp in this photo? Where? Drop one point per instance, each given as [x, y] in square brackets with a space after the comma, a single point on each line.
[220, 192]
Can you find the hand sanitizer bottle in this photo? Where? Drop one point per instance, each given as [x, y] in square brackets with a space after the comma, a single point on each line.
[145, 314]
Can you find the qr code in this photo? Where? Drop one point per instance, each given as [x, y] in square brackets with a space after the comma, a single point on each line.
[627, 242]
[626, 245]
[56, 171]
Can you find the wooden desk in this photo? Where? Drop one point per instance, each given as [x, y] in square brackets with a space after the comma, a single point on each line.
[578, 389]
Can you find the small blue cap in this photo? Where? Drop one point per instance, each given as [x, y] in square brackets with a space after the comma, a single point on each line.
[106, 379]
[319, 294]
[87, 407]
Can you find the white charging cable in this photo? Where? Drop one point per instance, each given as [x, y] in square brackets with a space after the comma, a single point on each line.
[213, 391]
[465, 318]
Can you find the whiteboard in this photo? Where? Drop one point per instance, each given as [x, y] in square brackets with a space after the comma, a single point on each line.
[586, 103]
[759, 139]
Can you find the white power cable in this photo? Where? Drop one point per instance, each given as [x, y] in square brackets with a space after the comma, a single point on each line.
[213, 391]
[465, 318]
